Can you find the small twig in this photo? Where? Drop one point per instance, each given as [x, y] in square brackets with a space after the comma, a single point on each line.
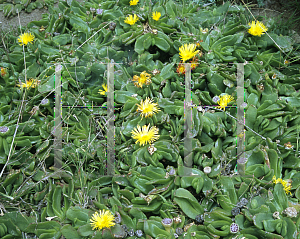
[91, 36]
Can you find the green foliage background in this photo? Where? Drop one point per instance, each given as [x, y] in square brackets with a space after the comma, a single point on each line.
[39, 203]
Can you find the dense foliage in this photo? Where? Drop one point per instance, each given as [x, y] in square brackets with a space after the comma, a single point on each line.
[149, 187]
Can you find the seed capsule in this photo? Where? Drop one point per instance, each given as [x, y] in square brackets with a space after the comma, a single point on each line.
[235, 211]
[118, 218]
[3, 129]
[234, 228]
[131, 232]
[199, 218]
[290, 212]
[244, 201]
[276, 215]
[124, 227]
[177, 219]
[188, 226]
[155, 72]
[112, 26]
[179, 231]
[207, 170]
[139, 233]
[167, 222]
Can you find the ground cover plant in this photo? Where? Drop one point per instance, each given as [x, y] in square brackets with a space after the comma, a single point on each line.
[149, 195]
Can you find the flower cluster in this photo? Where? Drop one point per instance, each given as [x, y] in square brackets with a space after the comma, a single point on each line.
[144, 78]
[286, 185]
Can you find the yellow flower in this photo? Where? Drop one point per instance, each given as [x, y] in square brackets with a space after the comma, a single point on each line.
[286, 185]
[187, 52]
[30, 83]
[257, 29]
[194, 63]
[133, 2]
[204, 31]
[286, 62]
[3, 72]
[156, 16]
[224, 100]
[144, 78]
[288, 145]
[104, 219]
[145, 135]
[131, 19]
[147, 108]
[180, 69]
[25, 38]
[102, 92]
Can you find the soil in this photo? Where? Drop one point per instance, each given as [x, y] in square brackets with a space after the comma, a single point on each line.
[12, 23]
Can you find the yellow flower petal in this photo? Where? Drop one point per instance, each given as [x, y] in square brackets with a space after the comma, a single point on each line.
[30, 83]
[102, 92]
[224, 100]
[145, 135]
[156, 16]
[187, 52]
[104, 219]
[144, 78]
[257, 28]
[131, 20]
[147, 108]
[133, 2]
[25, 38]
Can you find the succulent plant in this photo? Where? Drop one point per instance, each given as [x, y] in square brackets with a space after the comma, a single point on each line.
[149, 186]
